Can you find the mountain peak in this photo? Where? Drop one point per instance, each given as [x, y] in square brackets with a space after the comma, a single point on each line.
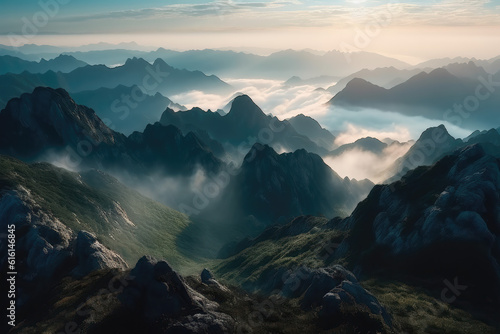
[259, 151]
[431, 132]
[136, 62]
[244, 107]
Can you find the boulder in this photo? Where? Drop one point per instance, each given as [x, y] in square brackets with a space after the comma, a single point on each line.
[92, 255]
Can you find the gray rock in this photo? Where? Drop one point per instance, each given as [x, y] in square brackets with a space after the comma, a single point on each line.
[206, 276]
[349, 295]
[157, 290]
[92, 255]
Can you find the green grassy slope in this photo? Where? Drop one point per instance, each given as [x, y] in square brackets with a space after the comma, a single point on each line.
[123, 220]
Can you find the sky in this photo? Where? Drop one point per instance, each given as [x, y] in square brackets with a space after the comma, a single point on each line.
[408, 30]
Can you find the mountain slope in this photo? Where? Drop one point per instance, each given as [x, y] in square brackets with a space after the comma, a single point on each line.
[387, 77]
[410, 241]
[121, 218]
[310, 128]
[434, 143]
[269, 188]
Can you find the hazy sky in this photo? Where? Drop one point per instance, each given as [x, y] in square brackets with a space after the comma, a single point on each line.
[412, 30]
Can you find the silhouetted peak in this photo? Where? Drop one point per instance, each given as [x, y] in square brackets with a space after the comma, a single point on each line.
[136, 62]
[243, 106]
[436, 134]
[259, 152]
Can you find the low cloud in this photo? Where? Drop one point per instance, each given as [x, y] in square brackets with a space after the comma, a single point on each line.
[270, 95]
[360, 164]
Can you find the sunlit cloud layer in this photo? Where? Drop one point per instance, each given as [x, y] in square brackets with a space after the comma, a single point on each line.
[220, 15]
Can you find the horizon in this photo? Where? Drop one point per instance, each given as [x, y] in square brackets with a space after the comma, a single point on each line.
[406, 30]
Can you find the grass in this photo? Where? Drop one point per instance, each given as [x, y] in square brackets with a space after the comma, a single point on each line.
[307, 249]
[415, 311]
[98, 203]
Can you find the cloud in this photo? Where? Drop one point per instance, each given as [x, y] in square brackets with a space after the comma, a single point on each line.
[360, 164]
[270, 95]
[219, 16]
[355, 132]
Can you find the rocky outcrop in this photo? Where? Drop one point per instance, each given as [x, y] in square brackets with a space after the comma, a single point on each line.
[442, 221]
[92, 255]
[159, 294]
[47, 249]
[334, 290]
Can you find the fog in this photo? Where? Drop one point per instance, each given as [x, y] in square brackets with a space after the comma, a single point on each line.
[360, 164]
[283, 101]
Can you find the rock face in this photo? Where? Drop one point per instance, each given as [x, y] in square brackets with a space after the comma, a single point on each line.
[46, 248]
[158, 292]
[92, 255]
[441, 220]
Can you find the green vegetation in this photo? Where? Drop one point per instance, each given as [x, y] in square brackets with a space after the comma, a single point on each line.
[123, 220]
[415, 311]
[311, 249]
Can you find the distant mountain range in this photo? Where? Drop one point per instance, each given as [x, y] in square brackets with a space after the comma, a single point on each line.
[126, 109]
[62, 63]
[386, 77]
[152, 78]
[438, 95]
[279, 65]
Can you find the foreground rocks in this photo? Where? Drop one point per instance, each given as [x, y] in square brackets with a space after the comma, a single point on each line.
[163, 298]
[335, 291]
[46, 249]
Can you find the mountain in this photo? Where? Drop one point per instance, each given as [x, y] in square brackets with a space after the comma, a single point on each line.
[68, 202]
[126, 109]
[490, 65]
[279, 65]
[386, 77]
[437, 95]
[368, 144]
[434, 143]
[430, 239]
[316, 81]
[152, 78]
[271, 188]
[291, 184]
[468, 70]
[244, 125]
[310, 128]
[438, 221]
[48, 125]
[62, 63]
